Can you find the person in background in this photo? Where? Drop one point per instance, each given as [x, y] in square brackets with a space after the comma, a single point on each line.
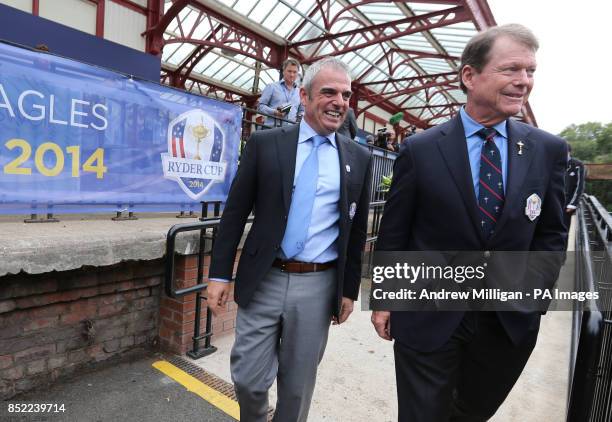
[574, 186]
[282, 98]
[349, 126]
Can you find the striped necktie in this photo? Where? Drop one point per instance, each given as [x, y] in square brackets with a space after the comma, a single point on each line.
[491, 183]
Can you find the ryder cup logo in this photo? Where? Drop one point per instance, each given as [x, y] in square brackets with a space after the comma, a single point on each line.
[195, 147]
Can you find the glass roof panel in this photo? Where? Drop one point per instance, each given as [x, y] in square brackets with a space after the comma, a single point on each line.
[205, 62]
[225, 70]
[284, 17]
[244, 80]
[180, 54]
[422, 8]
[272, 20]
[202, 30]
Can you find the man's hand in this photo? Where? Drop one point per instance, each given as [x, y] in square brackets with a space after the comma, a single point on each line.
[382, 323]
[278, 113]
[345, 310]
[217, 293]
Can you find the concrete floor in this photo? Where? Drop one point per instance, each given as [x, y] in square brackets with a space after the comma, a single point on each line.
[356, 380]
[131, 391]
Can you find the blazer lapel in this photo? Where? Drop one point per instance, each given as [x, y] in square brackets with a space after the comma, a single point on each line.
[286, 150]
[345, 155]
[453, 146]
[518, 166]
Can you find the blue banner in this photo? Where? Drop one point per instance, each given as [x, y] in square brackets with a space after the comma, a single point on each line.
[75, 137]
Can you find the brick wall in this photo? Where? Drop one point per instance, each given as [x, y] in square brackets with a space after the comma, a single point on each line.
[56, 323]
[177, 315]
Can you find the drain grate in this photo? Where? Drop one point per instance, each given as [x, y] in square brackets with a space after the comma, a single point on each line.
[212, 381]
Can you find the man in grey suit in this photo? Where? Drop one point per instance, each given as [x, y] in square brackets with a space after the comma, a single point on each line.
[300, 266]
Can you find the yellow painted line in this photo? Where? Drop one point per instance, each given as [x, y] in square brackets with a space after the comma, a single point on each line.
[196, 386]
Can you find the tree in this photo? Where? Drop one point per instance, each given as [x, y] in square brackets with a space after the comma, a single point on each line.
[591, 142]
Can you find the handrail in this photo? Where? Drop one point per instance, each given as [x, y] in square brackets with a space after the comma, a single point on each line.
[590, 389]
[586, 347]
[170, 247]
[261, 113]
[203, 227]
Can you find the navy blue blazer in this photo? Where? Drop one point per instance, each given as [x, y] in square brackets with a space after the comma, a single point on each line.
[432, 206]
[264, 184]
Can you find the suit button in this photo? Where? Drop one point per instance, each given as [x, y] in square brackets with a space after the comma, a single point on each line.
[276, 247]
[285, 217]
[487, 254]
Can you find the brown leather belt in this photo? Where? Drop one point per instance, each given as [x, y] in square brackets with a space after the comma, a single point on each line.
[302, 267]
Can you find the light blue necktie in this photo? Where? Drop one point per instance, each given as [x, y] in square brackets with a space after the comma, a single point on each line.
[302, 202]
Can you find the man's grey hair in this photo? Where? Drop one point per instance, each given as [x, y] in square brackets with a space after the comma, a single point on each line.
[316, 67]
[289, 62]
[476, 52]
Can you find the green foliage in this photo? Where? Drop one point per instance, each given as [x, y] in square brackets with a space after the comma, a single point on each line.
[591, 142]
[385, 183]
[396, 118]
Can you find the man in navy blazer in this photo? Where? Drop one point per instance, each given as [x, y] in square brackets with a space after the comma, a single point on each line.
[479, 182]
[289, 288]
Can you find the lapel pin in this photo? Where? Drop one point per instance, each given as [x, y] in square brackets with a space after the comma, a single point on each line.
[348, 168]
[520, 146]
[352, 210]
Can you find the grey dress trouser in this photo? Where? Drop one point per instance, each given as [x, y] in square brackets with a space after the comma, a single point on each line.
[282, 333]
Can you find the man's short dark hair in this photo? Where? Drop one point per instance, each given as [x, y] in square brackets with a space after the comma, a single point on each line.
[476, 52]
[293, 62]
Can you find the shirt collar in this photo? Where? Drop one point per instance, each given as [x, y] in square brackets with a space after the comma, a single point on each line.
[471, 126]
[282, 81]
[307, 132]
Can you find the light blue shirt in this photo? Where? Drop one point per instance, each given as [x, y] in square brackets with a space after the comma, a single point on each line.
[475, 143]
[321, 242]
[277, 94]
[321, 245]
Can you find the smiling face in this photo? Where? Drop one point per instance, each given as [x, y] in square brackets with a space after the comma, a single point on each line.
[502, 87]
[326, 105]
[290, 74]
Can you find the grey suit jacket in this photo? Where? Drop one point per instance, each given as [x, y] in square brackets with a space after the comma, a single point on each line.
[263, 184]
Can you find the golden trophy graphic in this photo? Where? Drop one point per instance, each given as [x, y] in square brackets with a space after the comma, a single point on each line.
[199, 132]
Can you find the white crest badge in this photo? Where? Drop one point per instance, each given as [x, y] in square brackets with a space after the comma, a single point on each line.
[352, 210]
[533, 207]
[348, 168]
[195, 148]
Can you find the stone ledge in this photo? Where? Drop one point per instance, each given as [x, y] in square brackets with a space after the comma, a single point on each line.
[68, 245]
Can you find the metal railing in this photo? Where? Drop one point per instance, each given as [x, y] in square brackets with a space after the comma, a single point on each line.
[250, 125]
[208, 231]
[590, 389]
